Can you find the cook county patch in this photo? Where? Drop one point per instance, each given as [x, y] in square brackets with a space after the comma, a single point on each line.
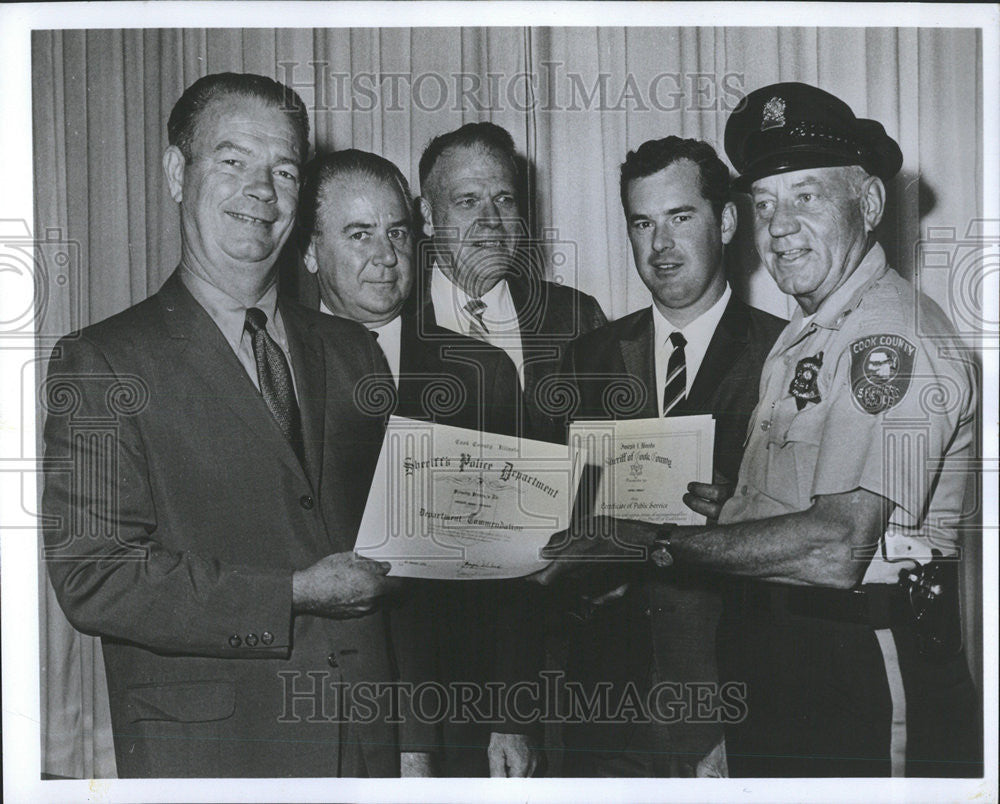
[881, 368]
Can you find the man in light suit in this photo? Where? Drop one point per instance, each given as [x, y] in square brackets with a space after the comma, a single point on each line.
[478, 278]
[207, 465]
[355, 218]
[698, 349]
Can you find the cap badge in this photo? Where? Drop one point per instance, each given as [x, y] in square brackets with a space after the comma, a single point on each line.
[774, 114]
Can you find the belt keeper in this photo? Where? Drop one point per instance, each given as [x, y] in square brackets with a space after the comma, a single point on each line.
[877, 605]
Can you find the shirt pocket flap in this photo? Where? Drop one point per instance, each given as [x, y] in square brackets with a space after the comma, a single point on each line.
[182, 702]
[788, 423]
[806, 428]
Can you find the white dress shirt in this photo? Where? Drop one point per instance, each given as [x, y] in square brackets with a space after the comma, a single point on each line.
[230, 315]
[500, 316]
[389, 337]
[698, 335]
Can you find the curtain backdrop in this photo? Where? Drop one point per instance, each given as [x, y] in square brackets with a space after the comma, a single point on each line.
[575, 100]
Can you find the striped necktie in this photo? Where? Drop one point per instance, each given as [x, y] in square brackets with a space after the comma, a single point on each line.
[275, 379]
[477, 327]
[675, 386]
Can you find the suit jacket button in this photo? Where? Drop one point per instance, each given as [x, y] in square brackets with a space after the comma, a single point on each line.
[332, 660]
[251, 640]
[235, 641]
[306, 501]
[267, 637]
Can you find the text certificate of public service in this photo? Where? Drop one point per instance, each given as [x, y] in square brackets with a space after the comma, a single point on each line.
[646, 465]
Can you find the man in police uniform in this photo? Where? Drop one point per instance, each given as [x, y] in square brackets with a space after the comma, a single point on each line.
[852, 481]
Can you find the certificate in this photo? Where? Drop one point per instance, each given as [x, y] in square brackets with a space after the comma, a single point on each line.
[452, 503]
[646, 465]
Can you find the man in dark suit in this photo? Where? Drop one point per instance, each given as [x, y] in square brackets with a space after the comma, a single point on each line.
[697, 349]
[206, 471]
[355, 219]
[478, 278]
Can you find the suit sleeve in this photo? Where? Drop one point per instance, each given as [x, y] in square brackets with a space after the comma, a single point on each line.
[105, 550]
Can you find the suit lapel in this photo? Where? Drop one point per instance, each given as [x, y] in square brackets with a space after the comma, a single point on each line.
[637, 354]
[214, 363]
[415, 364]
[726, 347]
[536, 318]
[310, 379]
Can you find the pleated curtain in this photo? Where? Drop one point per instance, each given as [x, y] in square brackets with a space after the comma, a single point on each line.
[574, 99]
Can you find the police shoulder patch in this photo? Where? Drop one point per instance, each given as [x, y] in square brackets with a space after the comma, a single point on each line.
[881, 369]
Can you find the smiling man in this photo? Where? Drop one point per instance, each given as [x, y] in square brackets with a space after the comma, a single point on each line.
[477, 278]
[844, 526]
[207, 537]
[697, 349]
[356, 221]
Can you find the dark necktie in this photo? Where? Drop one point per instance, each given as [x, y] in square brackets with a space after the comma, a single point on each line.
[275, 379]
[477, 327]
[675, 386]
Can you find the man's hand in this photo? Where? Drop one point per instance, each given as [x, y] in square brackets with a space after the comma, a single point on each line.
[708, 498]
[595, 540]
[511, 755]
[342, 585]
[415, 763]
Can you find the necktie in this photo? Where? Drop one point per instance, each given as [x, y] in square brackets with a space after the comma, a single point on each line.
[477, 327]
[675, 387]
[275, 379]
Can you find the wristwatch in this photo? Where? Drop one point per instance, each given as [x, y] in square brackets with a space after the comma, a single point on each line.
[661, 555]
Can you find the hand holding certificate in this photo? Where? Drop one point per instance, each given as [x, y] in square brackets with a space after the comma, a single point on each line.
[647, 464]
[452, 503]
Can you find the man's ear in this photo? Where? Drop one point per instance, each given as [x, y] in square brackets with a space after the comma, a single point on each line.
[309, 258]
[173, 168]
[872, 202]
[728, 222]
[427, 215]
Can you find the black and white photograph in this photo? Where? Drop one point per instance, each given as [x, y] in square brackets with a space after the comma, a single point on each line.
[500, 401]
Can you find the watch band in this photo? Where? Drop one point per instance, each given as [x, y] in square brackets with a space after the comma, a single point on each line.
[661, 555]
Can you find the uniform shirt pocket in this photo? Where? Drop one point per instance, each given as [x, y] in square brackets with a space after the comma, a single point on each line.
[792, 446]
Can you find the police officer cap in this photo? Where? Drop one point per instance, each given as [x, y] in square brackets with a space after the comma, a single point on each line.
[792, 126]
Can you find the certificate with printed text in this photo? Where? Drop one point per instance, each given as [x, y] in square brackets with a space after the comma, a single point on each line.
[646, 465]
[458, 504]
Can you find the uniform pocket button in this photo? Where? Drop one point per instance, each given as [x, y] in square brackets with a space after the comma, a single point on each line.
[332, 660]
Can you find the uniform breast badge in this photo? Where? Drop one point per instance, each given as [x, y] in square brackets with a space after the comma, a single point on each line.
[881, 368]
[803, 386]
